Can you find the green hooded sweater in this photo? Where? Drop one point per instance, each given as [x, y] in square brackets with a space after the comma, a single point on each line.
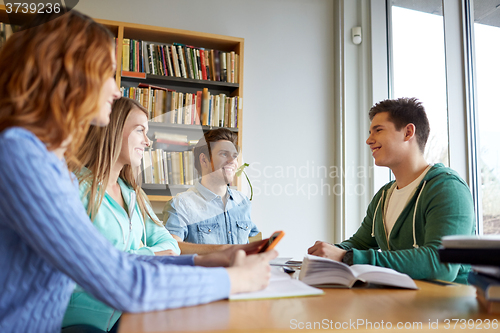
[441, 205]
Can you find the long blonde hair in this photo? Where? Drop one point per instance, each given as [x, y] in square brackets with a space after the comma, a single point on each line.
[51, 75]
[100, 151]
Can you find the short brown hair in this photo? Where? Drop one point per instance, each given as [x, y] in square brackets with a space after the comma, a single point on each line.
[51, 76]
[204, 146]
[404, 111]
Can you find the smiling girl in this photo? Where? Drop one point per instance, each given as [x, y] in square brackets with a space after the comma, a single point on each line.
[114, 201]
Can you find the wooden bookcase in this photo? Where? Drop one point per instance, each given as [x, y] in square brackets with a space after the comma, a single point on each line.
[162, 35]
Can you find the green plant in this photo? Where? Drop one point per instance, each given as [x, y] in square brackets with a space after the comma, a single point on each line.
[241, 170]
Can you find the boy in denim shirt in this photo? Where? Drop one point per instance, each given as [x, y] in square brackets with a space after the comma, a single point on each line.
[210, 216]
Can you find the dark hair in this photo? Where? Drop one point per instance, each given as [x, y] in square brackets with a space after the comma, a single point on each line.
[204, 146]
[404, 111]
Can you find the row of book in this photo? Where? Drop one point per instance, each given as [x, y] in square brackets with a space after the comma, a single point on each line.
[169, 168]
[200, 108]
[483, 253]
[179, 60]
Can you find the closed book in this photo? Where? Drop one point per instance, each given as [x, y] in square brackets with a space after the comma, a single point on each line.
[487, 256]
[471, 242]
[133, 62]
[163, 60]
[152, 59]
[187, 109]
[195, 64]
[493, 271]
[490, 286]
[161, 171]
[165, 167]
[181, 168]
[318, 271]
[207, 64]
[222, 106]
[175, 61]
[145, 58]
[180, 109]
[126, 54]
[182, 58]
[223, 68]
[146, 166]
[189, 56]
[190, 167]
[205, 104]
[212, 65]
[159, 65]
[217, 65]
[175, 168]
[156, 168]
[203, 65]
[168, 58]
[489, 306]
[169, 168]
[228, 66]
[233, 64]
[185, 165]
[198, 58]
[198, 107]
[236, 68]
[216, 110]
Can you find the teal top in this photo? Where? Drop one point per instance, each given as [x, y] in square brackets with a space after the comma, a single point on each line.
[441, 205]
[125, 230]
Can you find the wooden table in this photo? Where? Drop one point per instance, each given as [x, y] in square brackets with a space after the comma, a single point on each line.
[431, 308]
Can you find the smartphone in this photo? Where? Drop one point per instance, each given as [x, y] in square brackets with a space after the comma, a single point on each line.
[273, 240]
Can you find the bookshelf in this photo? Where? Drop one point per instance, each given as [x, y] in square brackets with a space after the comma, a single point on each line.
[169, 36]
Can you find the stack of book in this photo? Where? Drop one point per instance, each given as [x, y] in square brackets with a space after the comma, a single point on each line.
[179, 60]
[483, 253]
[200, 108]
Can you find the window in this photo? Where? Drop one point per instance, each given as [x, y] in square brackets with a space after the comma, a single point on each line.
[436, 53]
[419, 68]
[487, 51]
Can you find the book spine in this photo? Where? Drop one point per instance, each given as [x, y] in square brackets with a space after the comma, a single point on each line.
[175, 61]
[223, 69]
[217, 65]
[181, 169]
[166, 49]
[207, 65]
[198, 59]
[195, 64]
[150, 57]
[198, 107]
[169, 168]
[180, 52]
[126, 54]
[232, 55]
[203, 65]
[131, 56]
[189, 62]
[205, 106]
[163, 60]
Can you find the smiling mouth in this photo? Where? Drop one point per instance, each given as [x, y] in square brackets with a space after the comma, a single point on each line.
[375, 150]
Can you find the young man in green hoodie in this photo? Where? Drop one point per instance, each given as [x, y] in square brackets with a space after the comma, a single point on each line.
[406, 219]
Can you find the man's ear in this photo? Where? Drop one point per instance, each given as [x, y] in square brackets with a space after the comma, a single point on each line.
[410, 131]
[204, 161]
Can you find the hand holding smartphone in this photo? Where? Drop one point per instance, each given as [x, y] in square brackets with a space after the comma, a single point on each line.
[273, 240]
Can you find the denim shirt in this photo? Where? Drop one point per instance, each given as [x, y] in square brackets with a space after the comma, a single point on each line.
[198, 216]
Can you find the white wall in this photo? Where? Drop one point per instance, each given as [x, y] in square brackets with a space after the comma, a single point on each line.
[288, 97]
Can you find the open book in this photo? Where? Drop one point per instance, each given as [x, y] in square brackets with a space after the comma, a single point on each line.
[281, 285]
[325, 272]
